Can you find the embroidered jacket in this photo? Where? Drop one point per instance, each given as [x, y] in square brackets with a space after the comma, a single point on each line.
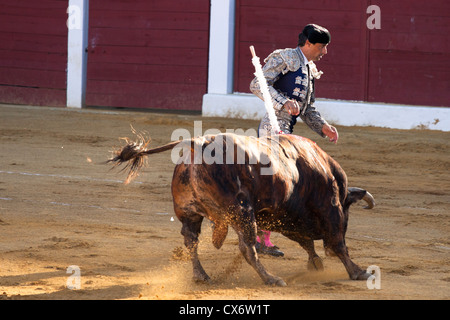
[289, 77]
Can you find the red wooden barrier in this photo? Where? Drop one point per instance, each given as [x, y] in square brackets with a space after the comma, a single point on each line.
[33, 52]
[151, 54]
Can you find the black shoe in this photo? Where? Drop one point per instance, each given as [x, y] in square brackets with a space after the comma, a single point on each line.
[271, 251]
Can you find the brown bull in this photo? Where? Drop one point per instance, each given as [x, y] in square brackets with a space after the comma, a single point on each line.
[285, 184]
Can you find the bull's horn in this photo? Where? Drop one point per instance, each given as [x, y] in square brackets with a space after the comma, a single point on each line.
[361, 194]
[368, 198]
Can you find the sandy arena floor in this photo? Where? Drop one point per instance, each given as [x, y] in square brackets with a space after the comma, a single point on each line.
[60, 205]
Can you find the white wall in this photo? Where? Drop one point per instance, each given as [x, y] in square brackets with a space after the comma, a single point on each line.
[338, 112]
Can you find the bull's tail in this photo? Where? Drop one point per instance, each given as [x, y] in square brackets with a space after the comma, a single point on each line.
[134, 153]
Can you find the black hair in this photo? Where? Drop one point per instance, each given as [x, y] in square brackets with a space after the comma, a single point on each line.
[315, 34]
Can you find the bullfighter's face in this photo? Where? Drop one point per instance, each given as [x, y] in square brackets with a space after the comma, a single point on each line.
[314, 52]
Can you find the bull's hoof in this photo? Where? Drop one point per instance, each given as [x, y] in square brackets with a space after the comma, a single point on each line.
[363, 276]
[276, 282]
[315, 264]
[201, 278]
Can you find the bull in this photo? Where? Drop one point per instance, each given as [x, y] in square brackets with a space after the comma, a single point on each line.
[302, 194]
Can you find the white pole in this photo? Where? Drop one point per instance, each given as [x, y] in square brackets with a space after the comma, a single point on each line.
[77, 43]
[221, 47]
[265, 91]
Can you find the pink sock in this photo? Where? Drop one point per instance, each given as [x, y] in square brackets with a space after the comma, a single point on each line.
[266, 236]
